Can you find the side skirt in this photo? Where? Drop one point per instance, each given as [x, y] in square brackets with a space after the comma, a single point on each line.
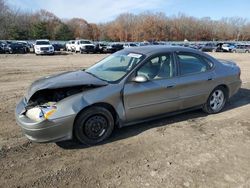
[125, 124]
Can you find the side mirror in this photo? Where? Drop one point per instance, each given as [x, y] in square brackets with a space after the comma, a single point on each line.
[140, 79]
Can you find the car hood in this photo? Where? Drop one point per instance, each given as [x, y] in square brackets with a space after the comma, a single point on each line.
[43, 46]
[63, 80]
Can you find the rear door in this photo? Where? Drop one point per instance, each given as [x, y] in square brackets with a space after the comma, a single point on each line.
[196, 79]
[156, 96]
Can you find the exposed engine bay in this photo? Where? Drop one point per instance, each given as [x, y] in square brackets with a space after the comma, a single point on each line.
[54, 95]
[43, 103]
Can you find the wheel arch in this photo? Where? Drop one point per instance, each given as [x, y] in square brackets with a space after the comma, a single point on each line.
[226, 89]
[107, 106]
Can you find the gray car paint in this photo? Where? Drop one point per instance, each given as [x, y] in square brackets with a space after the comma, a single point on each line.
[67, 79]
[131, 101]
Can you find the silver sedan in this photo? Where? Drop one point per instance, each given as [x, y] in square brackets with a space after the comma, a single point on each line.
[127, 87]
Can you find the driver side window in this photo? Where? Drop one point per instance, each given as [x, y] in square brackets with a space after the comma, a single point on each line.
[159, 67]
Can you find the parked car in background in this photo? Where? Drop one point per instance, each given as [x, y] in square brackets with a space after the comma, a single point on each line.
[58, 46]
[100, 46]
[242, 48]
[194, 46]
[154, 43]
[2, 50]
[228, 47]
[26, 45]
[130, 86]
[70, 46]
[113, 47]
[43, 47]
[129, 44]
[219, 47]
[84, 46]
[16, 47]
[143, 43]
[209, 47]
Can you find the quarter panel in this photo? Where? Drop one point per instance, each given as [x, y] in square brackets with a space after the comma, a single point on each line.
[195, 89]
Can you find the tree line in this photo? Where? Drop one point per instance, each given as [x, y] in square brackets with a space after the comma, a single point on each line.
[147, 26]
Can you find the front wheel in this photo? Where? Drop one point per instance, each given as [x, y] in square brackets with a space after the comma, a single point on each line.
[93, 125]
[216, 101]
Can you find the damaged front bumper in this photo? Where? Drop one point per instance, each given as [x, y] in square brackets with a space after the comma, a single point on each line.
[48, 130]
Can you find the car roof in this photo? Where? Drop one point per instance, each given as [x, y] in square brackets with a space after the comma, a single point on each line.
[147, 50]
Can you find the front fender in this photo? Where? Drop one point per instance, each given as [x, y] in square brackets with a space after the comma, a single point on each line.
[110, 94]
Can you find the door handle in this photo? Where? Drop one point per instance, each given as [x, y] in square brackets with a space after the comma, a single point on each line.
[209, 79]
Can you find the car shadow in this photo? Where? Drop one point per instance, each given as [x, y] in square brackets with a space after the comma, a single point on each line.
[242, 98]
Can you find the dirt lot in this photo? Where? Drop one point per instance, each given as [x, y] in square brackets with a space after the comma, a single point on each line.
[188, 150]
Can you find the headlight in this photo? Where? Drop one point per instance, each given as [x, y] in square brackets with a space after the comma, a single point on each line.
[37, 48]
[41, 113]
[49, 112]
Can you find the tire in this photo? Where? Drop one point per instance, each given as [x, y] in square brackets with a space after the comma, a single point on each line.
[216, 101]
[247, 51]
[93, 125]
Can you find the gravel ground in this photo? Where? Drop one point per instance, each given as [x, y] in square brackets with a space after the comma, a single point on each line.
[187, 150]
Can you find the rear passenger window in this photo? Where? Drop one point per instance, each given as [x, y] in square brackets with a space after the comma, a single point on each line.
[191, 63]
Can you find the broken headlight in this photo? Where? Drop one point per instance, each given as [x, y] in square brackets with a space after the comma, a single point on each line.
[42, 112]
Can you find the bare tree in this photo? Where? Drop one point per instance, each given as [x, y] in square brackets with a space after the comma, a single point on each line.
[4, 19]
[149, 26]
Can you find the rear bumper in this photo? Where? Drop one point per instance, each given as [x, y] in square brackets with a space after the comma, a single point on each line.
[47, 130]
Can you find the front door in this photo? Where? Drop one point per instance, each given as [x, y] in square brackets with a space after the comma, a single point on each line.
[158, 95]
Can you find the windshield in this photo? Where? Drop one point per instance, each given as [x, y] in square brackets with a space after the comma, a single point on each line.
[42, 43]
[132, 44]
[85, 42]
[115, 66]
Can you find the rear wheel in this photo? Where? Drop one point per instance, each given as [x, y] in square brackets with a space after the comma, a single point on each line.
[216, 101]
[93, 125]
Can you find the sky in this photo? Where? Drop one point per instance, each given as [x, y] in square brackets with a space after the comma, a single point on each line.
[99, 11]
